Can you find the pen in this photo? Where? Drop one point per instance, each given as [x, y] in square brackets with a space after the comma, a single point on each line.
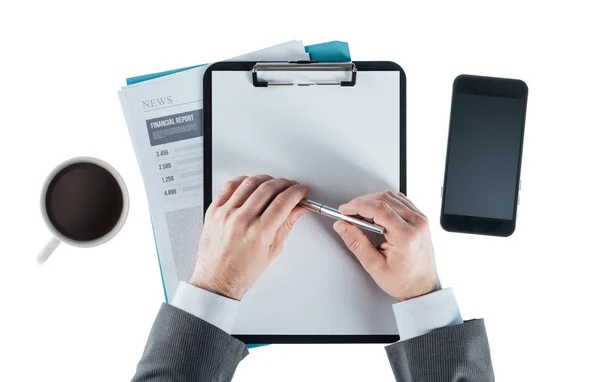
[335, 214]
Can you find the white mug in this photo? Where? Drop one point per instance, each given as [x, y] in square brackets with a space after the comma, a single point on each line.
[57, 236]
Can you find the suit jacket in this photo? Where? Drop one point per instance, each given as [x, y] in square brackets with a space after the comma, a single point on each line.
[182, 347]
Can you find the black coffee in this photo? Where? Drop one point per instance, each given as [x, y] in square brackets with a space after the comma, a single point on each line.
[84, 202]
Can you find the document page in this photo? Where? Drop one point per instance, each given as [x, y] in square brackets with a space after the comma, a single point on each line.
[165, 121]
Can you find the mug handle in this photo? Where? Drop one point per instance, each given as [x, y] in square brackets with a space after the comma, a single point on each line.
[47, 250]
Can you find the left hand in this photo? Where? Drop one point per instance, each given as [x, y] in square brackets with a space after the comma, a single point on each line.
[244, 229]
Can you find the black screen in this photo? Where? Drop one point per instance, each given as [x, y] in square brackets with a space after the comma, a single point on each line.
[483, 155]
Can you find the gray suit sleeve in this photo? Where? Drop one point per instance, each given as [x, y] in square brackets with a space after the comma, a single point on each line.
[458, 353]
[182, 347]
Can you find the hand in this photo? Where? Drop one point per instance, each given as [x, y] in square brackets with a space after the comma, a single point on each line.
[244, 229]
[404, 265]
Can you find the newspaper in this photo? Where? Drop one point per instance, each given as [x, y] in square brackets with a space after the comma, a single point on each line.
[165, 121]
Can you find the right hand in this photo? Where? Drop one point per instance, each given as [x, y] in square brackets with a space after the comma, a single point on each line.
[404, 265]
[244, 229]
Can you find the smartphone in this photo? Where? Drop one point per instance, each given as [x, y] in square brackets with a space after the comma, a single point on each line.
[480, 194]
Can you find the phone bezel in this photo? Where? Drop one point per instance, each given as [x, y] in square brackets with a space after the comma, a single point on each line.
[493, 87]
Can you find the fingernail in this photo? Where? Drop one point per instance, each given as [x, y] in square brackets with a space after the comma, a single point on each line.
[339, 227]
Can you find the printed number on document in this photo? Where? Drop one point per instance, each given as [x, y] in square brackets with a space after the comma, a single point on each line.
[177, 142]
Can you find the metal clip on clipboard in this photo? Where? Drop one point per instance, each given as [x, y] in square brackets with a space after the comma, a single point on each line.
[305, 66]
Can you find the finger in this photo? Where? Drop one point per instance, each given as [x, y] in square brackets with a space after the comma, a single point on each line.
[226, 191]
[385, 246]
[260, 199]
[404, 199]
[284, 230]
[402, 209]
[245, 189]
[282, 205]
[358, 243]
[373, 207]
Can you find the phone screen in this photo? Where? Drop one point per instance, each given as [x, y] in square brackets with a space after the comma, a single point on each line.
[483, 158]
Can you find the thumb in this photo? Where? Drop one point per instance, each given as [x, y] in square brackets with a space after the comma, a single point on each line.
[285, 229]
[357, 242]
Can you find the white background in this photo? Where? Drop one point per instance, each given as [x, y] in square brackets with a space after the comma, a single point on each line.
[85, 315]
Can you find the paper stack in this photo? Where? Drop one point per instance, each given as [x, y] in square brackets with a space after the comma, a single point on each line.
[164, 116]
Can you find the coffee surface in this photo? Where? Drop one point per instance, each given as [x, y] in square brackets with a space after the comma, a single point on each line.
[84, 202]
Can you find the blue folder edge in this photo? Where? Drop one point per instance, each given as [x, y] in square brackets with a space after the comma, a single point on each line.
[332, 51]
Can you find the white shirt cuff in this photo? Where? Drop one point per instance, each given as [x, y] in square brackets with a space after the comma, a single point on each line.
[423, 314]
[215, 309]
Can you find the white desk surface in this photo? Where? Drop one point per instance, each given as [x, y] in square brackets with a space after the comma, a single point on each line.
[88, 313]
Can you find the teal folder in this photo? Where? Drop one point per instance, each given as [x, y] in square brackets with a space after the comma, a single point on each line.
[333, 51]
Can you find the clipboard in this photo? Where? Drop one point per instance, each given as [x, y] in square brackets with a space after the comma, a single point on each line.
[342, 128]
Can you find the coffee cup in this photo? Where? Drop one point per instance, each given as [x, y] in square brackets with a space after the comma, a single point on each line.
[84, 203]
